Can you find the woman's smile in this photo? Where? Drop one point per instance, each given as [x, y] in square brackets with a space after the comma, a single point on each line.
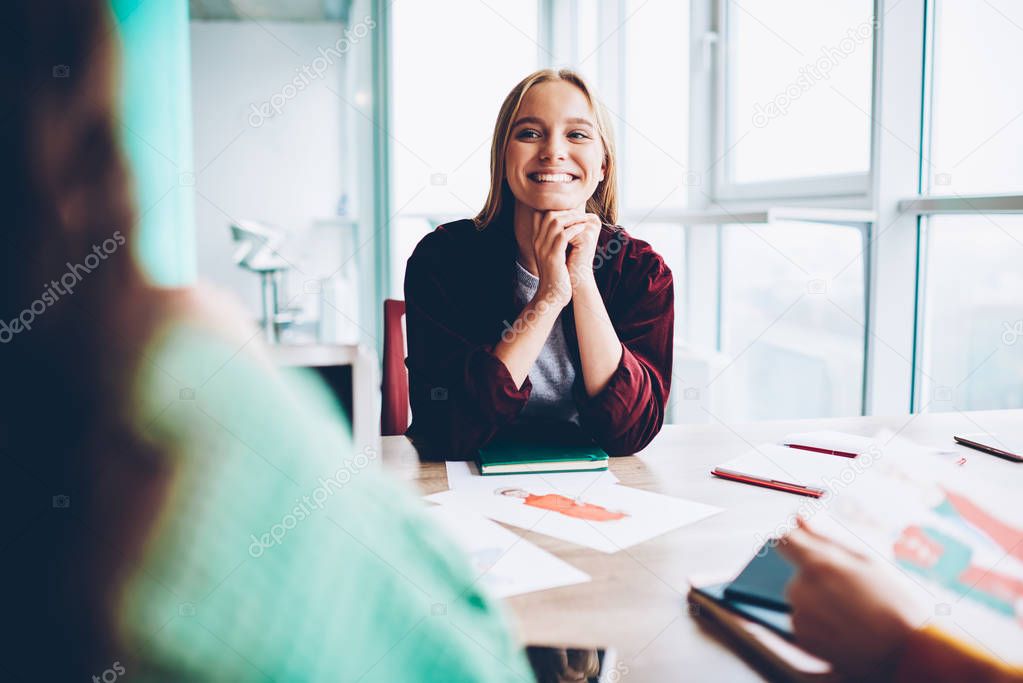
[553, 178]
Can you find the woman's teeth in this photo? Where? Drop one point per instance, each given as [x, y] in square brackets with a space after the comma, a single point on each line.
[551, 177]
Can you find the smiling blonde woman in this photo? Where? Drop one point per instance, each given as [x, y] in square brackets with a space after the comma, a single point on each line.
[541, 309]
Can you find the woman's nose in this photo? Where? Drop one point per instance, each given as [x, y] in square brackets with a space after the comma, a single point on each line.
[553, 150]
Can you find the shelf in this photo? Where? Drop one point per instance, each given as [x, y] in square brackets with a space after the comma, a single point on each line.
[774, 214]
[992, 203]
[315, 355]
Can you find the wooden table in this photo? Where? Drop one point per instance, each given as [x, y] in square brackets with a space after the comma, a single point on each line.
[636, 600]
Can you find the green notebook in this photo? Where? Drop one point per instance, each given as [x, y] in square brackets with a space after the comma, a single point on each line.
[523, 458]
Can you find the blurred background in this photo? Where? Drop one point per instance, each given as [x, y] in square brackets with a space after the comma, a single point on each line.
[836, 186]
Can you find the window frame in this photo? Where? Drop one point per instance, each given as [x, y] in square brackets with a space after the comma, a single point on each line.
[923, 205]
[837, 189]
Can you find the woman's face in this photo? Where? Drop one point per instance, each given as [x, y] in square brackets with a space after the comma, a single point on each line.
[555, 157]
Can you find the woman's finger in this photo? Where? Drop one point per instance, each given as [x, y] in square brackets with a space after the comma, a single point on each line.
[572, 232]
[800, 547]
[810, 632]
[562, 241]
[549, 231]
[805, 525]
[563, 219]
[830, 543]
[567, 212]
[546, 228]
[576, 218]
[584, 228]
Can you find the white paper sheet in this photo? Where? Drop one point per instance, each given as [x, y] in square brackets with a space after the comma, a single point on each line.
[608, 518]
[855, 443]
[770, 462]
[463, 476]
[504, 563]
[832, 441]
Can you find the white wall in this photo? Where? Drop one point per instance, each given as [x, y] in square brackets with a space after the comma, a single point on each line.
[286, 169]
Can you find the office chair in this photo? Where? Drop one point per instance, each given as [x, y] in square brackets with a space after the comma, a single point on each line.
[394, 408]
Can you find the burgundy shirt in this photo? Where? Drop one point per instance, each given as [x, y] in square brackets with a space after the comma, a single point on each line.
[459, 299]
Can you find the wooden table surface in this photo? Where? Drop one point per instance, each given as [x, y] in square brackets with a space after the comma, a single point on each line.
[636, 599]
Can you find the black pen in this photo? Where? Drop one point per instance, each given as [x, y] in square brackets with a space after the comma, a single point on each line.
[990, 450]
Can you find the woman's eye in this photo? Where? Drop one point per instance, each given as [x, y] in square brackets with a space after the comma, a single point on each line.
[527, 134]
[578, 135]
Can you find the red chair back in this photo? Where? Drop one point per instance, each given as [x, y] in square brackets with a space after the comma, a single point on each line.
[395, 404]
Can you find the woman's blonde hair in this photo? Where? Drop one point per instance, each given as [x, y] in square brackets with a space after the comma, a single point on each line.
[603, 203]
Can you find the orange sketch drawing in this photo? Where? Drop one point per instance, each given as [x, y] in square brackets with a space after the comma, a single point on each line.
[563, 504]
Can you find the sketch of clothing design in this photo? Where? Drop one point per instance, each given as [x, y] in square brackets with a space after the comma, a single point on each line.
[940, 557]
[573, 508]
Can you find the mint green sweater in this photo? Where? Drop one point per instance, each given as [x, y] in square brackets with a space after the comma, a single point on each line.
[282, 552]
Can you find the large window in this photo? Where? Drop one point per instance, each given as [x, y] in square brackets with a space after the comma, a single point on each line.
[972, 317]
[798, 89]
[843, 233]
[970, 332]
[653, 124]
[793, 103]
[669, 240]
[977, 113]
[444, 103]
[792, 322]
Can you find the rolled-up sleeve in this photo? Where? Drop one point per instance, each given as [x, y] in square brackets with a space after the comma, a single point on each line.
[629, 412]
[461, 393]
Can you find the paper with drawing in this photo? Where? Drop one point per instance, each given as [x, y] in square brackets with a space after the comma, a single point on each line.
[606, 518]
[957, 537]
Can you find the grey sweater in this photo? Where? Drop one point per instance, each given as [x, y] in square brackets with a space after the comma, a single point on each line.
[556, 368]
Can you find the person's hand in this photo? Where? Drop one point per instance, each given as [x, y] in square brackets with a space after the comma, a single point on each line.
[553, 231]
[584, 248]
[847, 608]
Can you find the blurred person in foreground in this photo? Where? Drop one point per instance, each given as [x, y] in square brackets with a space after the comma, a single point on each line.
[851, 610]
[180, 509]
